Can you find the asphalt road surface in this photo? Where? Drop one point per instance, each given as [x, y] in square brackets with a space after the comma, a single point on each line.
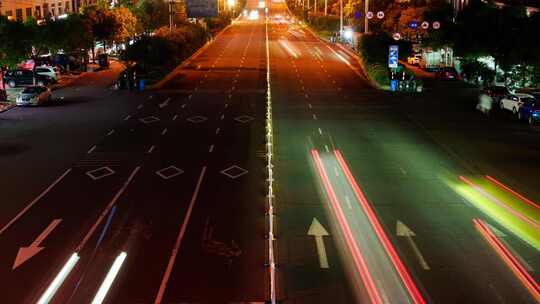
[160, 197]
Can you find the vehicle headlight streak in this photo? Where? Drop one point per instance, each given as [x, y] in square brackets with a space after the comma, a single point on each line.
[109, 279]
[59, 279]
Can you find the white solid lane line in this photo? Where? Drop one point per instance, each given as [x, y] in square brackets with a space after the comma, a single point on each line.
[179, 238]
[33, 202]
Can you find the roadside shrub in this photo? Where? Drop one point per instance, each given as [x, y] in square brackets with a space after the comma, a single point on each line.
[150, 50]
[324, 23]
[217, 23]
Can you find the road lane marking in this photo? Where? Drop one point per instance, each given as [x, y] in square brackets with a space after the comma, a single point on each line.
[335, 168]
[403, 231]
[318, 232]
[107, 209]
[309, 105]
[151, 149]
[91, 149]
[211, 149]
[140, 106]
[217, 131]
[222, 116]
[320, 131]
[34, 201]
[314, 116]
[127, 117]
[110, 133]
[226, 105]
[109, 279]
[175, 117]
[59, 279]
[164, 131]
[25, 253]
[403, 171]
[348, 202]
[176, 248]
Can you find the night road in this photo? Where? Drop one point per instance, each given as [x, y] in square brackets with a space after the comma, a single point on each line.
[162, 196]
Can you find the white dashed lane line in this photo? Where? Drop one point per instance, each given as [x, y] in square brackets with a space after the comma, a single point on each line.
[127, 117]
[151, 149]
[91, 149]
[211, 149]
[110, 133]
[164, 131]
[175, 117]
[217, 131]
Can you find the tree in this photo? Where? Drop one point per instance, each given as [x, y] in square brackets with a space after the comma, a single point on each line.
[127, 24]
[103, 23]
[152, 14]
[15, 42]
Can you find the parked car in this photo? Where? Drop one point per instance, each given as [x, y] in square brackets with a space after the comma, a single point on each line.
[414, 59]
[530, 111]
[496, 93]
[15, 78]
[47, 71]
[33, 96]
[447, 73]
[512, 102]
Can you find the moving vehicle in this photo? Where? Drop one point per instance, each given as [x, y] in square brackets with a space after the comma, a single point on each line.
[496, 92]
[15, 78]
[414, 59]
[447, 73]
[33, 96]
[530, 111]
[512, 102]
[47, 71]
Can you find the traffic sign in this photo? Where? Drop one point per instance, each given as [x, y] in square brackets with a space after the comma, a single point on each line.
[436, 25]
[413, 25]
[396, 36]
[425, 25]
[393, 52]
[369, 15]
[380, 14]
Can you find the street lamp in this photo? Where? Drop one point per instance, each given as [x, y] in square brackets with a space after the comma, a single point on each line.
[232, 5]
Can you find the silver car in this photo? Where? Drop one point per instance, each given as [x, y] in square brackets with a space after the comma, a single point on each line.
[33, 96]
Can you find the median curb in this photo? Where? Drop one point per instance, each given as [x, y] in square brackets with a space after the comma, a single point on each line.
[172, 74]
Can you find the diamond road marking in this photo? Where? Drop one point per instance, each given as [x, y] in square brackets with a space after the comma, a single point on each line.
[149, 119]
[230, 172]
[169, 172]
[244, 118]
[197, 119]
[100, 173]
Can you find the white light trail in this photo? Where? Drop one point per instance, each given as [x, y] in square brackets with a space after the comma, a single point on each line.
[59, 279]
[109, 279]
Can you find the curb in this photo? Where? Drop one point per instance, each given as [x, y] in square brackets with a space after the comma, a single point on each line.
[158, 85]
[6, 106]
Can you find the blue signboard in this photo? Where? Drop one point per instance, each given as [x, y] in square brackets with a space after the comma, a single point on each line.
[201, 8]
[413, 25]
[357, 15]
[393, 52]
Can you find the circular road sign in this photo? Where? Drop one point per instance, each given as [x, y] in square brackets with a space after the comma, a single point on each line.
[413, 25]
[425, 25]
[380, 14]
[436, 25]
[396, 36]
[357, 15]
[369, 15]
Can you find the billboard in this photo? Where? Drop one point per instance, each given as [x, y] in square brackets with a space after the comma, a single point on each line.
[202, 8]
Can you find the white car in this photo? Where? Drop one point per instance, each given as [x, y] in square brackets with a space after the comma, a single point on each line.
[512, 102]
[33, 96]
[47, 71]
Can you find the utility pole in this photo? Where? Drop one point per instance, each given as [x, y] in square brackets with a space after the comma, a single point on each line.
[171, 14]
[325, 7]
[340, 19]
[366, 10]
[315, 7]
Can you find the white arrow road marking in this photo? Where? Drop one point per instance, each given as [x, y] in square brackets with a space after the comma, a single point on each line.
[318, 231]
[25, 253]
[404, 231]
[165, 103]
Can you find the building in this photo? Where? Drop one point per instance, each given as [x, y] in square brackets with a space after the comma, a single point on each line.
[23, 9]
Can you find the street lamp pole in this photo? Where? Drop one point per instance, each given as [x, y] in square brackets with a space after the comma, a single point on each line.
[325, 7]
[340, 19]
[366, 10]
